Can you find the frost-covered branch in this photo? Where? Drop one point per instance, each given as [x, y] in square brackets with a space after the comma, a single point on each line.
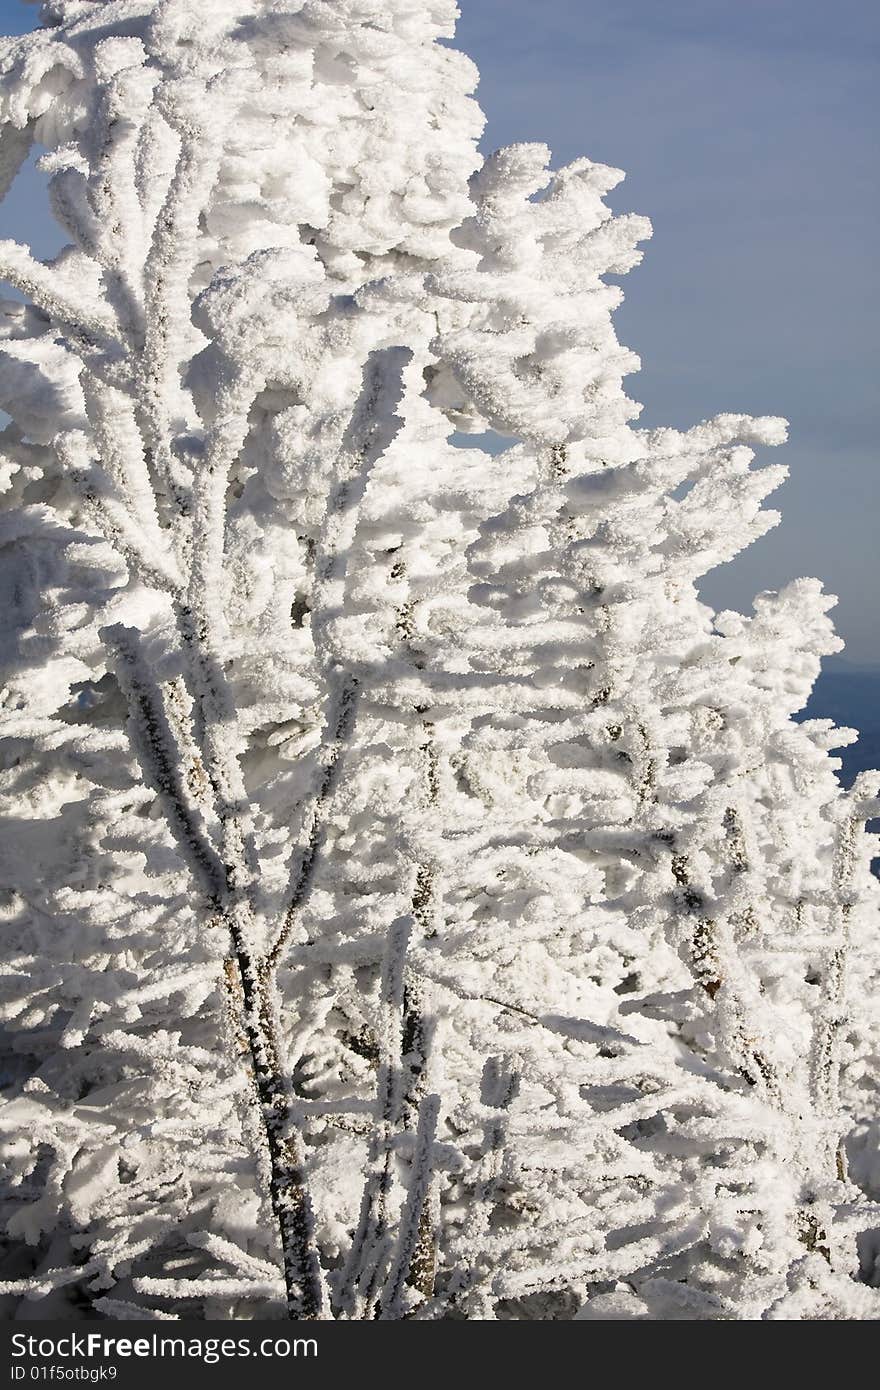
[418, 902]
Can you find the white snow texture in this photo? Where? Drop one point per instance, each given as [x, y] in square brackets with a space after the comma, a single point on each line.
[416, 902]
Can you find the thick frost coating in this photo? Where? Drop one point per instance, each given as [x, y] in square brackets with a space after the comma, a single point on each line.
[418, 903]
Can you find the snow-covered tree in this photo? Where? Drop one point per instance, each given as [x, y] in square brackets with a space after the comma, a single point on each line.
[418, 903]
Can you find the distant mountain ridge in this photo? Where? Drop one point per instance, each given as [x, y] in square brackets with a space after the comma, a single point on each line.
[850, 695]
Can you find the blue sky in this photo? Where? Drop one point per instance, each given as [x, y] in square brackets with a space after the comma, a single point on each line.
[749, 131]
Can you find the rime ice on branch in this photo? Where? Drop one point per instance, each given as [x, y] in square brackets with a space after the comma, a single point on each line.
[417, 903]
